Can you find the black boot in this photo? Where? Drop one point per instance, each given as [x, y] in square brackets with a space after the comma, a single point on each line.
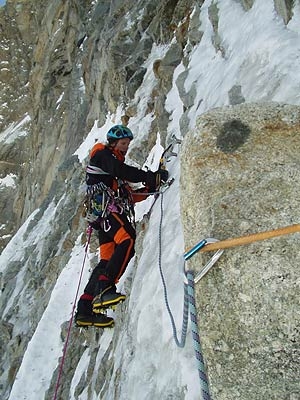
[98, 320]
[84, 306]
[107, 297]
[85, 317]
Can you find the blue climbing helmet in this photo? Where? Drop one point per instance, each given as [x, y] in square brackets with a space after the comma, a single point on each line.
[119, 132]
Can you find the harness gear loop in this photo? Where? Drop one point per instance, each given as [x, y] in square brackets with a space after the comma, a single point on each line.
[125, 200]
[101, 200]
[97, 198]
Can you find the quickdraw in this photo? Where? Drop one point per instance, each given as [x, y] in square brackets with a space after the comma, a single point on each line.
[124, 200]
[101, 200]
[209, 264]
[97, 199]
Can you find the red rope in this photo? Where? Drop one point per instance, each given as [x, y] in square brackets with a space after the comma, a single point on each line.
[89, 232]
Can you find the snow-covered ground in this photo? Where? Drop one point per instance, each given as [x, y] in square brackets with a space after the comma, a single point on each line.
[261, 55]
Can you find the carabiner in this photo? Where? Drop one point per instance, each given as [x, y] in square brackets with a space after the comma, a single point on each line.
[209, 264]
[106, 225]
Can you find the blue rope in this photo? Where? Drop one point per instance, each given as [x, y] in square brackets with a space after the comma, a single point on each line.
[196, 337]
[189, 305]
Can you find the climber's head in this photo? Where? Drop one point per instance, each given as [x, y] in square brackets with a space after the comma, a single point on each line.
[118, 132]
[119, 138]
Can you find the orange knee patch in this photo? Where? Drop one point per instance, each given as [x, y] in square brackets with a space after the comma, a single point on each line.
[106, 250]
[121, 236]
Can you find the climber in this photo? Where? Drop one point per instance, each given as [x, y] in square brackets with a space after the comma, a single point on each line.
[110, 211]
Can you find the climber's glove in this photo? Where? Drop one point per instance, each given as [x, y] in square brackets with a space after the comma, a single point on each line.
[150, 181]
[155, 179]
[162, 176]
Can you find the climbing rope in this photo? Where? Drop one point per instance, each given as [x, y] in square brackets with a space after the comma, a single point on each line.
[196, 338]
[189, 306]
[89, 232]
[181, 342]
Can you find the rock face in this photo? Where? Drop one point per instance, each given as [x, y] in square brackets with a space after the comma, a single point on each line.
[65, 65]
[69, 64]
[76, 62]
[243, 169]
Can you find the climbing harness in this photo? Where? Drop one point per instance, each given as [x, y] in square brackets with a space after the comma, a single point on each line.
[97, 199]
[124, 201]
[100, 201]
[89, 234]
[189, 306]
